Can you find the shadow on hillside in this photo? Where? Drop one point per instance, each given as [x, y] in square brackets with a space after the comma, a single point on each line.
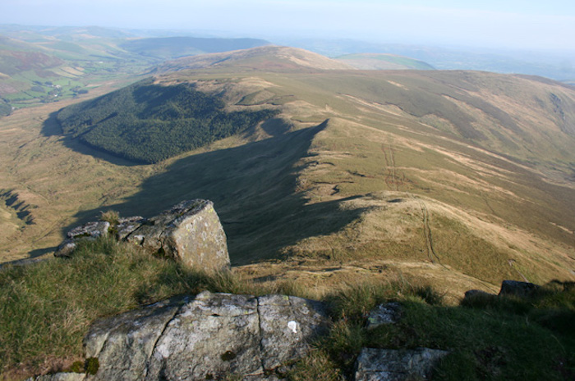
[253, 189]
[51, 127]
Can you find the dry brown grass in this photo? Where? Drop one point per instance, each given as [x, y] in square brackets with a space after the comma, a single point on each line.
[491, 212]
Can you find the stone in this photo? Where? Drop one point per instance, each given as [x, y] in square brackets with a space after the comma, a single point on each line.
[285, 323]
[124, 343]
[388, 313]
[516, 288]
[477, 293]
[396, 364]
[205, 337]
[66, 248]
[91, 230]
[189, 232]
[126, 226]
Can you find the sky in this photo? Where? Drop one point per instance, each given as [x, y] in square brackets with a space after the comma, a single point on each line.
[527, 24]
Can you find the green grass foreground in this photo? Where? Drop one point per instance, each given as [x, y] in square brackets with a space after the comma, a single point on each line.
[46, 309]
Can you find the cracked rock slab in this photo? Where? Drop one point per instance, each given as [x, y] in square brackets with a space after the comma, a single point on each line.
[206, 337]
[124, 343]
[90, 231]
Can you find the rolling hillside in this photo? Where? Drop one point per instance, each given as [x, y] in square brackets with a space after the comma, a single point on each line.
[460, 178]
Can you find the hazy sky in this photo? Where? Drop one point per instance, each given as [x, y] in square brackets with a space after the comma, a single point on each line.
[497, 23]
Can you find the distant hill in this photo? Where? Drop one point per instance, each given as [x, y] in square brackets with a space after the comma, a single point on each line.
[374, 61]
[35, 33]
[558, 66]
[267, 58]
[174, 47]
[17, 57]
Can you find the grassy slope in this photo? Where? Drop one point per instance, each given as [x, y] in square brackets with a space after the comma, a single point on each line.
[356, 183]
[493, 338]
[406, 174]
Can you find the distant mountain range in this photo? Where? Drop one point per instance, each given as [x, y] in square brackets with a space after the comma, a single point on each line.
[556, 65]
[174, 47]
[375, 61]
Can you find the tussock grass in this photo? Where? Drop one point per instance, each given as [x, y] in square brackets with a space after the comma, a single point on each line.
[46, 308]
[489, 337]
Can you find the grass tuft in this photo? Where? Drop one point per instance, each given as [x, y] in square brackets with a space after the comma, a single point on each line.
[110, 216]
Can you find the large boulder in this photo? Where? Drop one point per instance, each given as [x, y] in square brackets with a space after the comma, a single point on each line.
[396, 364]
[205, 337]
[190, 232]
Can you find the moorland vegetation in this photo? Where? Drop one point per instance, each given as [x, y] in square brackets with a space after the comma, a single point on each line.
[46, 309]
[149, 123]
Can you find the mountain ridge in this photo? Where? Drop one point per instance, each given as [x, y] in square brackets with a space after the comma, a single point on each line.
[274, 58]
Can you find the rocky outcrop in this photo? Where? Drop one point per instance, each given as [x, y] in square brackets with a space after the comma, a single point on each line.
[396, 364]
[209, 336]
[90, 230]
[521, 289]
[508, 288]
[477, 294]
[189, 232]
[375, 364]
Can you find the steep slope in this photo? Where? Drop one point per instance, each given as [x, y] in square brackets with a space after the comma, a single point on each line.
[267, 58]
[375, 61]
[462, 178]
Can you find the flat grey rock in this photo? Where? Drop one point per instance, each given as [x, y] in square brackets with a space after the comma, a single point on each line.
[205, 337]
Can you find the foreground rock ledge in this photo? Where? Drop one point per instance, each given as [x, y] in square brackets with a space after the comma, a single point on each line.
[189, 232]
[205, 337]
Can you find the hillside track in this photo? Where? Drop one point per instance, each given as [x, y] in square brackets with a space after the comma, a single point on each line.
[431, 254]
